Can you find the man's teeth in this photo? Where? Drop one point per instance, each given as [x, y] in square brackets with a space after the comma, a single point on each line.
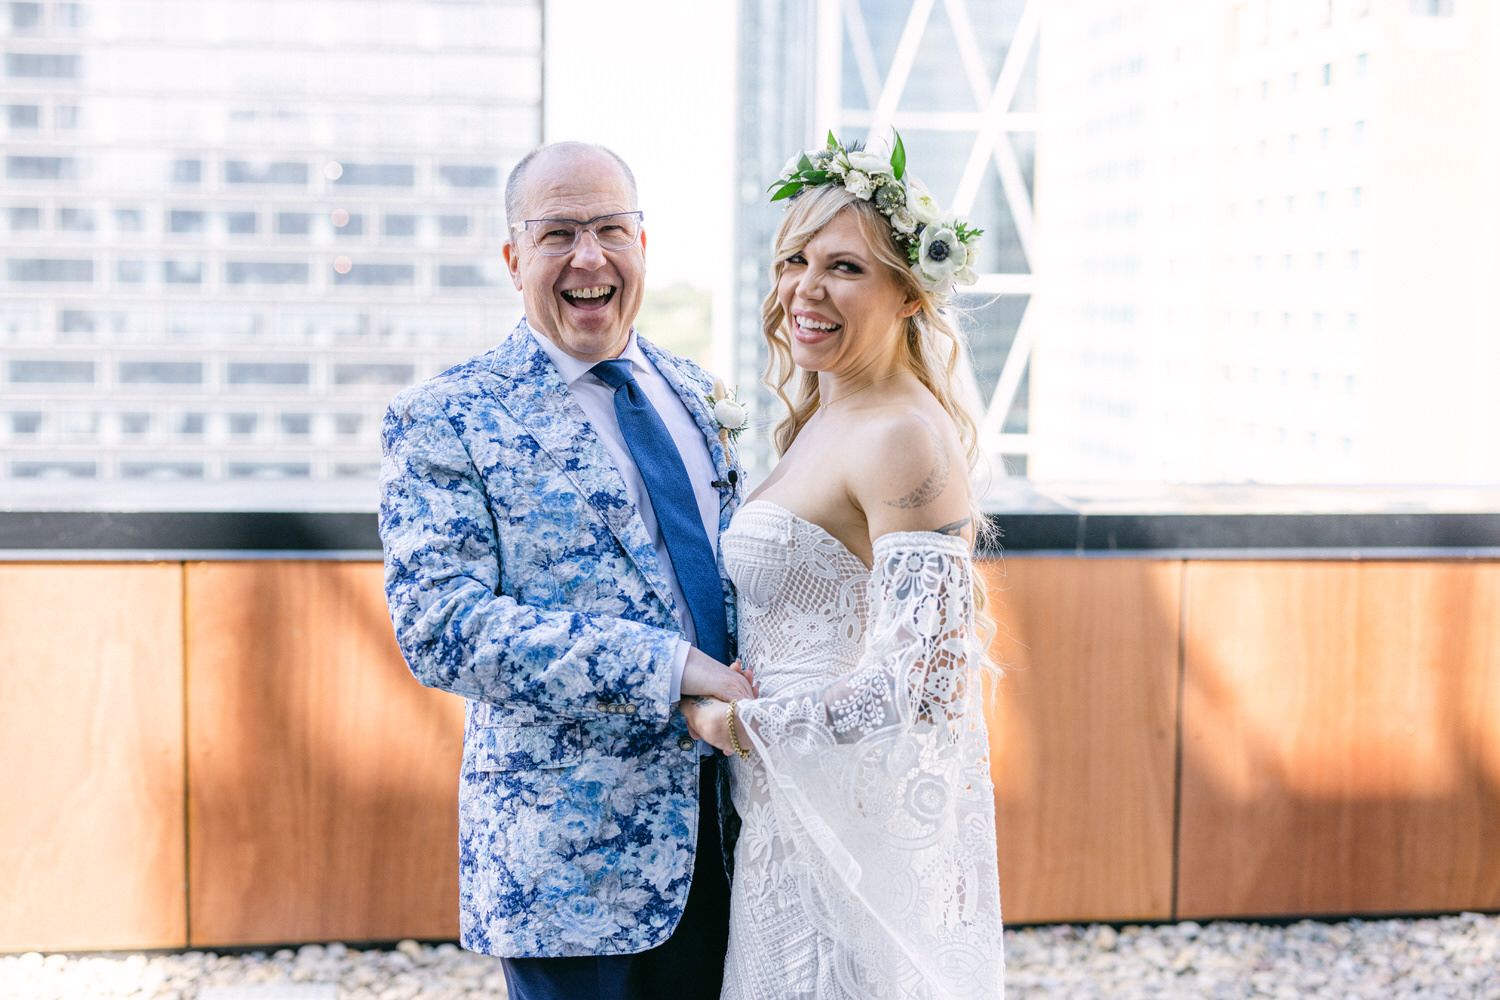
[596, 292]
[815, 324]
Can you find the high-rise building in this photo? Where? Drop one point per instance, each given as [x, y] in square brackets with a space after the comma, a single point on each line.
[957, 81]
[1268, 241]
[234, 228]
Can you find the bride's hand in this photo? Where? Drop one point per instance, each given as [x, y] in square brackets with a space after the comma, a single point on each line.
[707, 719]
[739, 667]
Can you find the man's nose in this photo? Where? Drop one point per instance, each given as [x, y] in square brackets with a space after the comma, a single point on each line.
[588, 254]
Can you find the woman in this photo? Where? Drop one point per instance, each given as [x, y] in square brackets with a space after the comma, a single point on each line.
[866, 863]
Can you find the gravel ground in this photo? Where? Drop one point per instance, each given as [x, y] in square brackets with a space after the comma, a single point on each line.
[1439, 958]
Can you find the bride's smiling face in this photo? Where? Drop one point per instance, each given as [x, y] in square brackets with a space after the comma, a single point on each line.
[844, 309]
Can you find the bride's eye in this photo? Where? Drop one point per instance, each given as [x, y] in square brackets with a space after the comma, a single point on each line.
[848, 266]
[795, 258]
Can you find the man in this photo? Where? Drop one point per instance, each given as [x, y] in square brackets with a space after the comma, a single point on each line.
[550, 526]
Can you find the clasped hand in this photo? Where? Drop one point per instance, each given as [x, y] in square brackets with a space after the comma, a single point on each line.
[708, 687]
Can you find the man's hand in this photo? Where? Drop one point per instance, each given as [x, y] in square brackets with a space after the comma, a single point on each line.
[704, 675]
[708, 720]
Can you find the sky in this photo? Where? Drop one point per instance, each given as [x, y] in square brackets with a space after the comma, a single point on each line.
[654, 81]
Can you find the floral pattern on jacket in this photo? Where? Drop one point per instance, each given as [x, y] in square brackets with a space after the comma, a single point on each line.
[520, 576]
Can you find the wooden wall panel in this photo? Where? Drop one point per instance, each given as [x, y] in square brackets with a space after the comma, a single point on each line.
[91, 823]
[1341, 738]
[322, 778]
[1083, 733]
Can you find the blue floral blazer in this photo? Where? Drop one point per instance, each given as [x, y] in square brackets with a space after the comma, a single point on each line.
[520, 576]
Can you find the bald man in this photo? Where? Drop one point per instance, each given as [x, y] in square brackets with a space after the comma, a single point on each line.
[550, 512]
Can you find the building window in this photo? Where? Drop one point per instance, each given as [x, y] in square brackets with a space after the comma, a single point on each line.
[377, 274]
[42, 65]
[353, 224]
[52, 371]
[190, 424]
[68, 116]
[26, 423]
[135, 424]
[41, 168]
[468, 177]
[161, 470]
[296, 424]
[373, 374]
[1432, 8]
[53, 470]
[293, 223]
[45, 269]
[243, 424]
[182, 272]
[187, 171]
[130, 272]
[378, 175]
[240, 223]
[453, 226]
[401, 225]
[24, 116]
[25, 219]
[269, 470]
[1327, 74]
[75, 220]
[461, 276]
[281, 172]
[268, 373]
[184, 221]
[25, 17]
[344, 424]
[276, 272]
[129, 220]
[161, 372]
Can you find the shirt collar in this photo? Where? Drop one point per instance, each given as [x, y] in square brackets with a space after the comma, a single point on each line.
[572, 369]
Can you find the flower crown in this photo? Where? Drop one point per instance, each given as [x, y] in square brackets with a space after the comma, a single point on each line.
[942, 249]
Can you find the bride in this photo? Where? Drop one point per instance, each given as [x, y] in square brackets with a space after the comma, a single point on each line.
[866, 865]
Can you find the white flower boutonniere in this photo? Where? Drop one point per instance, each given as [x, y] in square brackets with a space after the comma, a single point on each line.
[729, 413]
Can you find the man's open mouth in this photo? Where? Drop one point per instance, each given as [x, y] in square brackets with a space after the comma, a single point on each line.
[591, 297]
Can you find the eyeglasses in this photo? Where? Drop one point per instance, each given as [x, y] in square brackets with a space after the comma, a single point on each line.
[555, 237]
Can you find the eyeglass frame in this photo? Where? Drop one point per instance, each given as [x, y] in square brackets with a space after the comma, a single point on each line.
[589, 226]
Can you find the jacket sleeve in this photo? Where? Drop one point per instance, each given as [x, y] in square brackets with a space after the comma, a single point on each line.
[456, 630]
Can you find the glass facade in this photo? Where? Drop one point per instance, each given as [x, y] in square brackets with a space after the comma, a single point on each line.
[234, 228]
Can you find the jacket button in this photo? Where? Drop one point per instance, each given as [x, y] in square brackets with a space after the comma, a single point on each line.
[629, 709]
[686, 743]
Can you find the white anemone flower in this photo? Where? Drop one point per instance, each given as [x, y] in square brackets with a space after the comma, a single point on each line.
[942, 255]
[791, 168]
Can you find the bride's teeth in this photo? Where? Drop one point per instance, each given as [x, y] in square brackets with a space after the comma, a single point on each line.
[812, 324]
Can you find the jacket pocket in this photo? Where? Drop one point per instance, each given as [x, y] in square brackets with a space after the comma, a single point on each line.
[524, 748]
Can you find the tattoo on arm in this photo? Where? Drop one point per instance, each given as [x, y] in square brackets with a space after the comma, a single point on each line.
[931, 487]
[953, 528]
[699, 700]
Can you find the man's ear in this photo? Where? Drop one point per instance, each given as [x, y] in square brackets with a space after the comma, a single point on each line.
[512, 256]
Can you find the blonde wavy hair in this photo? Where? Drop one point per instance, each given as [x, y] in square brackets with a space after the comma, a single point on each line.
[931, 346]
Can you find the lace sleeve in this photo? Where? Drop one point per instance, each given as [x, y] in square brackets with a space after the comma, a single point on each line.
[881, 783]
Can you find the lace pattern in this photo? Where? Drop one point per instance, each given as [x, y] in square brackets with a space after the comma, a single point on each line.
[866, 862]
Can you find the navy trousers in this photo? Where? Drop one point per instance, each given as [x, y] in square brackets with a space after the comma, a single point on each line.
[688, 966]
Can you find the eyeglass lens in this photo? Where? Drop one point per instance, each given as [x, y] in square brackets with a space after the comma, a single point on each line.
[614, 232]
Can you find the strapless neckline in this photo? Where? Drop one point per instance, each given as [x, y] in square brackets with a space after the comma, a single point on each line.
[811, 524]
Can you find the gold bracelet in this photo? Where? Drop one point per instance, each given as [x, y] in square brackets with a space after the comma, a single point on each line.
[734, 740]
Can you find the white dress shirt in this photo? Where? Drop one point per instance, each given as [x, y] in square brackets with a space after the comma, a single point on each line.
[597, 400]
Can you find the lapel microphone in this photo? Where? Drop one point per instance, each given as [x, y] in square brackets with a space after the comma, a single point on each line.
[726, 484]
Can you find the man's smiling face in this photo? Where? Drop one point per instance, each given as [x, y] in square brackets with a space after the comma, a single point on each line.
[584, 301]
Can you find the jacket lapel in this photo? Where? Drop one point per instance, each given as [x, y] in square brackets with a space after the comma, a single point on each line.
[694, 392]
[533, 392]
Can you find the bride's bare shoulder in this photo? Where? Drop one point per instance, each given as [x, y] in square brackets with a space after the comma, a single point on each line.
[912, 473]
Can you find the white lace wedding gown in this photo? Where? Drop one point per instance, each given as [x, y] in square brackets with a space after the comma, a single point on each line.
[866, 863]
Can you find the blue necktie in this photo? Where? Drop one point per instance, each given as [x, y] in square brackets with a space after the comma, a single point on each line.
[675, 505]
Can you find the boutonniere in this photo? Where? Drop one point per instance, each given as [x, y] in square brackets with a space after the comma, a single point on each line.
[729, 413]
